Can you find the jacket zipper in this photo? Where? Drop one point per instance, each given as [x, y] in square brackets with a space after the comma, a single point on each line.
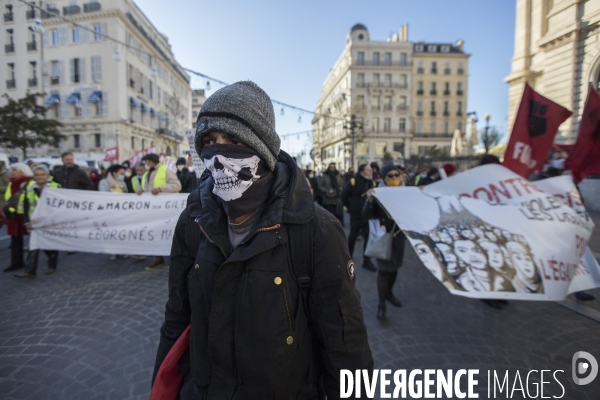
[209, 239]
[287, 309]
[264, 229]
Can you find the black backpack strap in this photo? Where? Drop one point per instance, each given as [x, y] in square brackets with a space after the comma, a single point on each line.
[300, 241]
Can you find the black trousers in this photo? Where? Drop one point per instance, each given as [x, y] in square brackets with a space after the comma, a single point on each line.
[16, 251]
[33, 258]
[358, 226]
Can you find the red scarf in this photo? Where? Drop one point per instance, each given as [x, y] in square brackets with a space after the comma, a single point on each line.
[15, 183]
[168, 379]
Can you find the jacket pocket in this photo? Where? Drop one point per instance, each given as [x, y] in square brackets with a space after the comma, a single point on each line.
[354, 328]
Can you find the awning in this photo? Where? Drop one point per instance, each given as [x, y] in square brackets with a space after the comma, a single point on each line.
[74, 98]
[134, 102]
[153, 111]
[145, 108]
[95, 97]
[55, 98]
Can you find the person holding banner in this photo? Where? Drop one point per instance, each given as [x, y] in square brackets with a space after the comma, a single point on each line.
[70, 176]
[261, 283]
[20, 175]
[157, 179]
[115, 183]
[41, 180]
[136, 180]
[388, 270]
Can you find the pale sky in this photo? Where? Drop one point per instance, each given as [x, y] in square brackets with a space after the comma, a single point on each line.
[288, 47]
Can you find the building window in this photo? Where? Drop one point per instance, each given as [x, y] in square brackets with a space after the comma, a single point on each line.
[434, 67]
[376, 80]
[76, 70]
[388, 58]
[403, 80]
[432, 127]
[433, 88]
[447, 68]
[446, 109]
[459, 126]
[362, 149]
[55, 70]
[75, 35]
[360, 59]
[55, 37]
[432, 113]
[97, 32]
[420, 87]
[420, 107]
[76, 141]
[403, 59]
[420, 67]
[150, 90]
[432, 48]
[360, 100]
[376, 58]
[446, 88]
[387, 124]
[360, 80]
[380, 148]
[375, 124]
[388, 80]
[33, 74]
[403, 103]
[132, 143]
[398, 150]
[97, 140]
[402, 125]
[445, 49]
[461, 69]
[419, 127]
[419, 48]
[459, 108]
[459, 89]
[11, 82]
[446, 127]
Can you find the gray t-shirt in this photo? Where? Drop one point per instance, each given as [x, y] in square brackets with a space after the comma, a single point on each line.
[239, 232]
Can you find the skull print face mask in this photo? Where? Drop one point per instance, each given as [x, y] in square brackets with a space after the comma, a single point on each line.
[241, 179]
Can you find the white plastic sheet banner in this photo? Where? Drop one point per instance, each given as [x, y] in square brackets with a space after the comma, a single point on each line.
[196, 160]
[105, 222]
[489, 233]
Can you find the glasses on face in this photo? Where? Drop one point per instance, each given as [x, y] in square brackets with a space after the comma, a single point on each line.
[392, 176]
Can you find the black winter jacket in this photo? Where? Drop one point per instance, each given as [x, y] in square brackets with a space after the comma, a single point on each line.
[352, 196]
[251, 337]
[73, 178]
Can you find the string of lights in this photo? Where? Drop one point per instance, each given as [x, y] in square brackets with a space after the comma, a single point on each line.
[208, 78]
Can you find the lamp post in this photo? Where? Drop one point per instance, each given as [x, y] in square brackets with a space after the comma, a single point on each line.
[351, 126]
[487, 127]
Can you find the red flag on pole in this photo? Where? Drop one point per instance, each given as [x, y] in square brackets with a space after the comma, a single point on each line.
[584, 159]
[111, 154]
[533, 132]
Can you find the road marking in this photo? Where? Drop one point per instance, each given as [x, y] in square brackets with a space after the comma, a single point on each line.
[581, 309]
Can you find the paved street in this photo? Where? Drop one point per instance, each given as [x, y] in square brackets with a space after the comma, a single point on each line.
[90, 331]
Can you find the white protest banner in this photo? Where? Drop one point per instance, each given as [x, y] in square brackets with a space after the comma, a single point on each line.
[105, 222]
[489, 233]
[198, 163]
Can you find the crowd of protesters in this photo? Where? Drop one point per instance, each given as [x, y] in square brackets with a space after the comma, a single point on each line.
[23, 183]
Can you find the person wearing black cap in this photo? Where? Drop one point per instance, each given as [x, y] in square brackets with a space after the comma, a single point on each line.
[260, 274]
[388, 270]
[186, 177]
[157, 179]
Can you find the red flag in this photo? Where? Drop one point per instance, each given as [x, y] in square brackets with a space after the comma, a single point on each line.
[111, 154]
[532, 135]
[584, 159]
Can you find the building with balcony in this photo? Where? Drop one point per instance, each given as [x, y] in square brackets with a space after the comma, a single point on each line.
[440, 79]
[557, 51]
[198, 99]
[371, 82]
[105, 94]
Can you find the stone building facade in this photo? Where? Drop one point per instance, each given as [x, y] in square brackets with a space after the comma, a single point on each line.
[106, 94]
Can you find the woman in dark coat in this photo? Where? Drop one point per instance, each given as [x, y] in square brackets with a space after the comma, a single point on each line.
[388, 270]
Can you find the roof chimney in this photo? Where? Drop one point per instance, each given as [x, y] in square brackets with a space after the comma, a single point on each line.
[404, 33]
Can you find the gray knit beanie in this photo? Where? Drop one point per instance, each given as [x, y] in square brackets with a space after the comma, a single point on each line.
[244, 111]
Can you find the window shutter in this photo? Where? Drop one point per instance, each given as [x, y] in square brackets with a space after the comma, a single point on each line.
[82, 70]
[98, 68]
[65, 108]
[105, 103]
[86, 106]
[61, 72]
[45, 74]
[72, 69]
[63, 35]
[84, 33]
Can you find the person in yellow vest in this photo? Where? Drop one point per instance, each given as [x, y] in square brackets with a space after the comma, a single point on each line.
[41, 180]
[136, 180]
[20, 175]
[157, 179]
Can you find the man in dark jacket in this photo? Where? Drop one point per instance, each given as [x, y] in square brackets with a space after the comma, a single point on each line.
[353, 198]
[70, 176]
[260, 328]
[331, 185]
